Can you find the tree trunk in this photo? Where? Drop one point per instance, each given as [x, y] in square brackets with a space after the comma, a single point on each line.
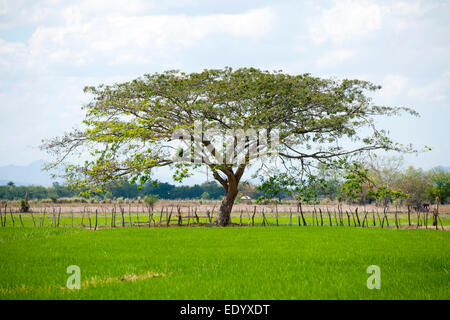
[224, 216]
[230, 185]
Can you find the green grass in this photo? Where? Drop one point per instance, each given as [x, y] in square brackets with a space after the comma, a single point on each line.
[225, 263]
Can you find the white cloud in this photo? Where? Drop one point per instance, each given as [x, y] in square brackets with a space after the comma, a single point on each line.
[113, 37]
[347, 20]
[47, 12]
[114, 6]
[393, 85]
[403, 14]
[434, 91]
[13, 56]
[407, 8]
[335, 57]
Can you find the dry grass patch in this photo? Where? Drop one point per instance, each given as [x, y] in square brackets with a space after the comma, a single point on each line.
[93, 282]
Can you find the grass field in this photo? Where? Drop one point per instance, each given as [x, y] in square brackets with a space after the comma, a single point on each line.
[224, 263]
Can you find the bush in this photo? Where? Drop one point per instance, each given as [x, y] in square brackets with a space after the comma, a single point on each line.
[151, 199]
[24, 205]
[205, 195]
[53, 195]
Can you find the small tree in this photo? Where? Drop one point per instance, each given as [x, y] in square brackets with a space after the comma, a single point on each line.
[24, 204]
[356, 183]
[53, 196]
[386, 195]
[150, 200]
[440, 181]
[271, 188]
[309, 191]
[205, 195]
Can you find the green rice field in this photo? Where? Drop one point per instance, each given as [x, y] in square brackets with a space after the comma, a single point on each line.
[284, 262]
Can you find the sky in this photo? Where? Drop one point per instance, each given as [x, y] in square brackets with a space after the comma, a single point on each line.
[50, 50]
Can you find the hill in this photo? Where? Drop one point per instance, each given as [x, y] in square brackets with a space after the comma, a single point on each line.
[31, 174]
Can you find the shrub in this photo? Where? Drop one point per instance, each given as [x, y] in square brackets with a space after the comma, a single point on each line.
[205, 195]
[151, 199]
[24, 205]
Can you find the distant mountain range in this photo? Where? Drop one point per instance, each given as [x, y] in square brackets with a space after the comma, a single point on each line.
[33, 174]
[26, 175]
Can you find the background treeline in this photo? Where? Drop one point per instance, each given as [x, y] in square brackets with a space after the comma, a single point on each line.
[207, 190]
[375, 180]
[328, 184]
[420, 186]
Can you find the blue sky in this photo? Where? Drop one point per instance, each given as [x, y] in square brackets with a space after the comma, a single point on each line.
[49, 50]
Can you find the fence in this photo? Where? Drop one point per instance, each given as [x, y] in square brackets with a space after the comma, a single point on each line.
[113, 216]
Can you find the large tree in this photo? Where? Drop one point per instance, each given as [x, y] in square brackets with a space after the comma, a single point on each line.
[134, 126]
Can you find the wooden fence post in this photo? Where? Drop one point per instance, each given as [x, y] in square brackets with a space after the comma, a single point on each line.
[59, 216]
[32, 218]
[365, 216]
[409, 215]
[253, 216]
[160, 216]
[396, 217]
[96, 213]
[208, 215]
[12, 218]
[276, 209]
[169, 217]
[180, 218]
[150, 215]
[353, 217]
[137, 214]
[196, 216]
[122, 212]
[129, 215]
[301, 213]
[52, 223]
[348, 217]
[357, 217]
[20, 218]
